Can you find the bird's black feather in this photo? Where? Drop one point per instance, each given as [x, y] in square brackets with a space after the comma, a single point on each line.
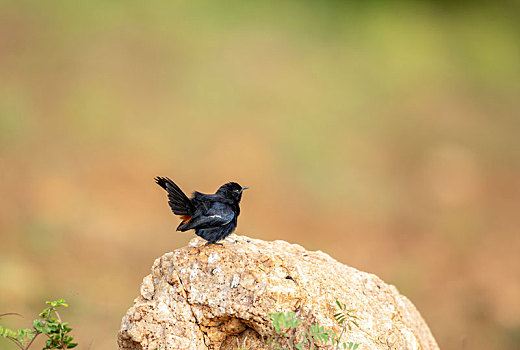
[212, 216]
[179, 203]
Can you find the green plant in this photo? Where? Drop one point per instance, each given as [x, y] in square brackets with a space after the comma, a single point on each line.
[345, 318]
[286, 327]
[49, 323]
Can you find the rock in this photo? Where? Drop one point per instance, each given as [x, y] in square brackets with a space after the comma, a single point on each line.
[220, 297]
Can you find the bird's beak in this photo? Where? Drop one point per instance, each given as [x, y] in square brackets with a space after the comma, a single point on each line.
[244, 188]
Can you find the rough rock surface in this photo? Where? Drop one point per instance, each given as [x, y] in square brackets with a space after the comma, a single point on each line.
[220, 297]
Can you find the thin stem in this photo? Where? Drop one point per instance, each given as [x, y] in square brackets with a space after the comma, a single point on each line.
[61, 333]
[16, 341]
[10, 313]
[340, 335]
[57, 314]
[28, 345]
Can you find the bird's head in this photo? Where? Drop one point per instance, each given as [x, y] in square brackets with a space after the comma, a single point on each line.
[232, 190]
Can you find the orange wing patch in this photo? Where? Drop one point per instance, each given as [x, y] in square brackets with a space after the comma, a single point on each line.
[185, 218]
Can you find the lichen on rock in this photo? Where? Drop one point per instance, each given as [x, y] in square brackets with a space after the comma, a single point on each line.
[220, 297]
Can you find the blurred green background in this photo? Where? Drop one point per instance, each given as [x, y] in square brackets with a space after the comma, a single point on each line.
[384, 133]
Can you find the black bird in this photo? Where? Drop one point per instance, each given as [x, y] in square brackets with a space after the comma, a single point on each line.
[212, 216]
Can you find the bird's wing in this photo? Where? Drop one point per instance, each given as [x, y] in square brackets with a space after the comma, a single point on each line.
[218, 214]
[202, 202]
[200, 196]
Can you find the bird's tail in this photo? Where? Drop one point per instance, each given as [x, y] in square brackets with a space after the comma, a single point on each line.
[178, 201]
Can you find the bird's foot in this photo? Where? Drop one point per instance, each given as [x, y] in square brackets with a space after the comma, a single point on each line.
[215, 243]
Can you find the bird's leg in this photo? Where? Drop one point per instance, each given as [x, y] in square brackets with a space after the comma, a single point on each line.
[215, 243]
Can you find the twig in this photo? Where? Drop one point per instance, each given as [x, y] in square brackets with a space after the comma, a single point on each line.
[16, 341]
[340, 335]
[28, 345]
[11, 313]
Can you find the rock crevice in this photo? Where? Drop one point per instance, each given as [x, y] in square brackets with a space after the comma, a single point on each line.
[220, 297]
[186, 297]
